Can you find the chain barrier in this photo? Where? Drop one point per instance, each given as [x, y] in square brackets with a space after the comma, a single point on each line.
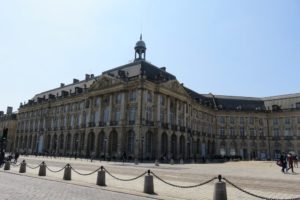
[15, 164]
[55, 171]
[120, 179]
[182, 186]
[87, 174]
[255, 195]
[34, 167]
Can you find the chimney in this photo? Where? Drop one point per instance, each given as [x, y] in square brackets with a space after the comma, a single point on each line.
[62, 84]
[163, 68]
[75, 80]
[87, 77]
[92, 75]
[9, 110]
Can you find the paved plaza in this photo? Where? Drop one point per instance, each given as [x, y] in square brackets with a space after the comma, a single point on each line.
[262, 178]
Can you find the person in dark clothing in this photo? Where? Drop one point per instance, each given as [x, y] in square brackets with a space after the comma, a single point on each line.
[124, 156]
[283, 162]
[16, 157]
[290, 160]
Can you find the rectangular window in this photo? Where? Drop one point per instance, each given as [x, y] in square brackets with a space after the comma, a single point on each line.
[232, 132]
[276, 132]
[117, 116]
[106, 115]
[298, 134]
[252, 132]
[298, 119]
[118, 99]
[251, 120]
[131, 114]
[162, 100]
[287, 120]
[241, 120]
[232, 120]
[242, 132]
[275, 121]
[222, 119]
[287, 132]
[132, 96]
[222, 131]
[162, 116]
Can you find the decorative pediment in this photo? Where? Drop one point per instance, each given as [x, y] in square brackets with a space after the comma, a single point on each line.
[105, 81]
[175, 86]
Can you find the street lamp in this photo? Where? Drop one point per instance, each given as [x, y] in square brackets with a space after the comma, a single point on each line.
[142, 140]
[105, 141]
[77, 141]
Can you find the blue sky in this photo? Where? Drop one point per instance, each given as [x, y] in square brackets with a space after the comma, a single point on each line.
[244, 48]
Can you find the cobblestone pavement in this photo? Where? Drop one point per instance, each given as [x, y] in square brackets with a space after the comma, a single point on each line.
[19, 187]
[259, 177]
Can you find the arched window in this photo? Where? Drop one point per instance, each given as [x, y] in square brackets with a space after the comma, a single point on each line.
[164, 143]
[149, 142]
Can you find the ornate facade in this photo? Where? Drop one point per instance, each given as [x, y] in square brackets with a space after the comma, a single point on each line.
[8, 121]
[144, 111]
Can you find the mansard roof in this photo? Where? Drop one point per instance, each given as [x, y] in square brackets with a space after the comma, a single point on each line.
[239, 103]
[142, 67]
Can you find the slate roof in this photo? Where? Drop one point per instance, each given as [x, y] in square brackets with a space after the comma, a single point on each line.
[152, 72]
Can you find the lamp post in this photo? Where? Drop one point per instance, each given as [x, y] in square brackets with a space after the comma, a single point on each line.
[105, 141]
[142, 149]
[56, 147]
[37, 146]
[76, 151]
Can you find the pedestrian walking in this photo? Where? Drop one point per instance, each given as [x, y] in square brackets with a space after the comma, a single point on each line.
[124, 156]
[290, 160]
[296, 161]
[16, 157]
[283, 162]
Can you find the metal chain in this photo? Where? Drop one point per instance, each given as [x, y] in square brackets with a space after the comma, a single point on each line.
[120, 179]
[15, 165]
[87, 173]
[55, 170]
[258, 196]
[34, 167]
[182, 186]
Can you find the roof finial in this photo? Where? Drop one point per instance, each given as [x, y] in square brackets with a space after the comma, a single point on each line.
[141, 37]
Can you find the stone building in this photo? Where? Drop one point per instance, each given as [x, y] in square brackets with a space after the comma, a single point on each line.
[8, 121]
[142, 110]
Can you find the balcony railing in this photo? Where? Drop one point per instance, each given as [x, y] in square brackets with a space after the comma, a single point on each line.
[131, 122]
[149, 123]
[91, 124]
[113, 123]
[232, 137]
[276, 138]
[174, 127]
[262, 137]
[243, 137]
[223, 137]
[288, 137]
[83, 125]
[252, 137]
[182, 128]
[165, 125]
[101, 124]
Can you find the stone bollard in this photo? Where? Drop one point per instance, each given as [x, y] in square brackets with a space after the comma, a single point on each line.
[67, 172]
[22, 167]
[181, 161]
[7, 165]
[156, 163]
[148, 184]
[42, 171]
[101, 177]
[136, 161]
[172, 161]
[220, 190]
